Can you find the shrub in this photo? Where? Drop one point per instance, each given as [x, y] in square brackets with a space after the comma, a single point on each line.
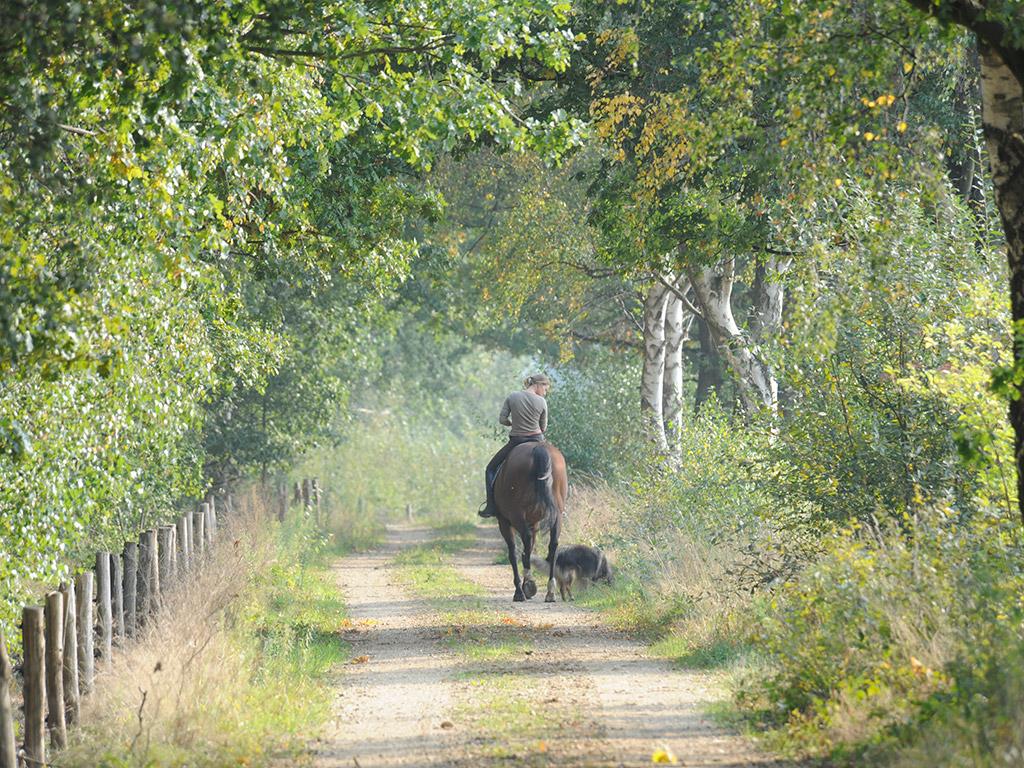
[893, 630]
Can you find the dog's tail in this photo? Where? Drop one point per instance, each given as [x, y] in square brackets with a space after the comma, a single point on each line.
[542, 483]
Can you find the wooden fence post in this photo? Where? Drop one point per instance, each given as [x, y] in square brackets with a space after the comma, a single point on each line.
[206, 510]
[131, 588]
[182, 551]
[8, 746]
[199, 534]
[34, 691]
[86, 631]
[211, 521]
[117, 584]
[174, 553]
[70, 660]
[144, 601]
[408, 512]
[106, 611]
[166, 547]
[154, 573]
[55, 716]
[282, 502]
[190, 531]
[297, 496]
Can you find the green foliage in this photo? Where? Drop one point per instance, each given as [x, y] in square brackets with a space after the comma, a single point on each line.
[513, 260]
[592, 409]
[886, 367]
[891, 635]
[203, 209]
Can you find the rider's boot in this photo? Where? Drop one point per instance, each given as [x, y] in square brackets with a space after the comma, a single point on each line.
[489, 509]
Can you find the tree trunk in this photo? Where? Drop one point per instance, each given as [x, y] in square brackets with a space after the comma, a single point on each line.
[653, 377]
[709, 367]
[769, 292]
[755, 379]
[1002, 106]
[677, 331]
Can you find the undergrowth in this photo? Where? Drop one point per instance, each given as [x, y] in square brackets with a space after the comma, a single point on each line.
[669, 589]
[233, 670]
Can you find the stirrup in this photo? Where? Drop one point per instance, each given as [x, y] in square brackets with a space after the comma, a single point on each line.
[487, 510]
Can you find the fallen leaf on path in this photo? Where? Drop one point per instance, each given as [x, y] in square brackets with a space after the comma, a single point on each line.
[360, 660]
[544, 625]
[560, 633]
[663, 756]
[447, 724]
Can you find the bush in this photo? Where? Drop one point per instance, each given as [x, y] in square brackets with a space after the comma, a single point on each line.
[593, 415]
[892, 632]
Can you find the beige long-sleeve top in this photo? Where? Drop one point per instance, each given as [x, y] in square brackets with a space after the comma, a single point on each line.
[525, 412]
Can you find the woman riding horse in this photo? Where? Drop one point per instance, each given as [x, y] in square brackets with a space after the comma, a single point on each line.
[529, 493]
[526, 412]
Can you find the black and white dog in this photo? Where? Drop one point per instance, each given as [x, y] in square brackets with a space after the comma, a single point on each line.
[578, 565]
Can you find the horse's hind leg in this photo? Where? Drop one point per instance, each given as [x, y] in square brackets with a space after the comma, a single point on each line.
[529, 585]
[552, 554]
[510, 542]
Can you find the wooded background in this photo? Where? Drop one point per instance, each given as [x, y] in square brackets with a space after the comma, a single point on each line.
[762, 248]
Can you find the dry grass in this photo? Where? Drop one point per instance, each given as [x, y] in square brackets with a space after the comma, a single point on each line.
[676, 588]
[200, 687]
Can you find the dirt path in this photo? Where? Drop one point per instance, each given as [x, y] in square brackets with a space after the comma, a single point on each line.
[592, 696]
[396, 692]
[636, 704]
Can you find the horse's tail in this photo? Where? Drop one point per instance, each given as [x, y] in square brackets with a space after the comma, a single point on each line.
[542, 483]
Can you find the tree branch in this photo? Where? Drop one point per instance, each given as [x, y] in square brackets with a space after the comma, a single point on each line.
[971, 16]
[682, 296]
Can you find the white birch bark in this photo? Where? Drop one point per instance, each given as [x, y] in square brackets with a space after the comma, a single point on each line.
[677, 331]
[757, 386]
[768, 296]
[653, 376]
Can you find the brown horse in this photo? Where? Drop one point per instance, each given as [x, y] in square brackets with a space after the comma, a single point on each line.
[530, 495]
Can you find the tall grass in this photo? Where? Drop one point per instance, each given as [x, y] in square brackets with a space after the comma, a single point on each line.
[673, 586]
[232, 670]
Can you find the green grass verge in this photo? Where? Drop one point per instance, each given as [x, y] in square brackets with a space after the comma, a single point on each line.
[691, 636]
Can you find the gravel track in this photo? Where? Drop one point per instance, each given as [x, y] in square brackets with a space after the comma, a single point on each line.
[409, 699]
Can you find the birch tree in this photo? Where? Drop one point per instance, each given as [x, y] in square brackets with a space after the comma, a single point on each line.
[756, 382]
[677, 328]
[999, 29]
[652, 382]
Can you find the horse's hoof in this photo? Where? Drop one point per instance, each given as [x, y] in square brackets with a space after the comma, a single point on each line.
[549, 598]
[530, 588]
[519, 597]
